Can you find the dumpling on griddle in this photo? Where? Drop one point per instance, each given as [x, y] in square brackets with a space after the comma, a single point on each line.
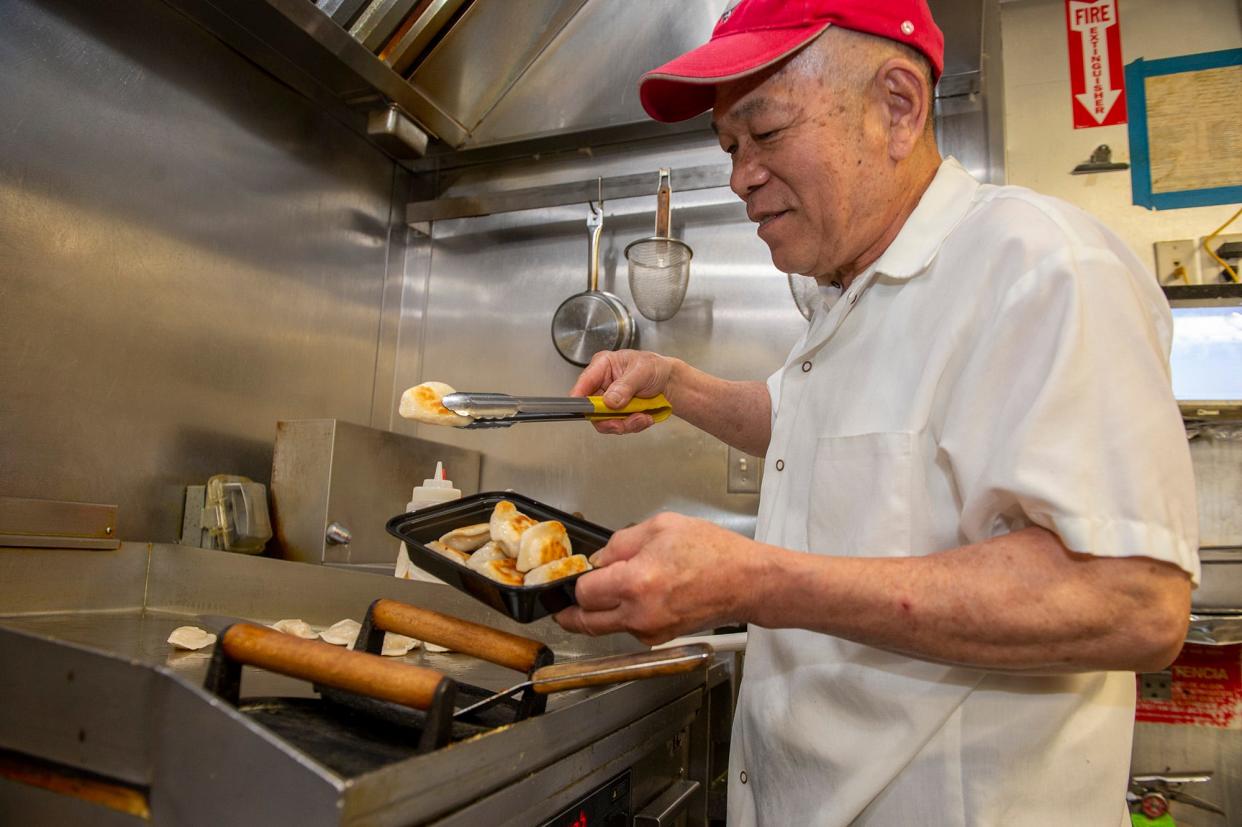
[296, 627]
[468, 538]
[557, 569]
[423, 403]
[488, 553]
[451, 553]
[342, 633]
[508, 525]
[502, 571]
[191, 638]
[541, 544]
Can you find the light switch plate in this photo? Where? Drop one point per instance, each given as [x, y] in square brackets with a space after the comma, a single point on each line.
[745, 473]
[1173, 254]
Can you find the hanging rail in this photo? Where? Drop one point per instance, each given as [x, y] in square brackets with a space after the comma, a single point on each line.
[704, 177]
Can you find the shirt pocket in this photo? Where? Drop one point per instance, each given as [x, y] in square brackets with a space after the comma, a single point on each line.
[861, 495]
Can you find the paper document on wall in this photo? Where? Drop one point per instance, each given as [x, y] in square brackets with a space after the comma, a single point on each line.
[1193, 128]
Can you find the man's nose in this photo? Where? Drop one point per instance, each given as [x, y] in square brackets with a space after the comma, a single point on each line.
[748, 174]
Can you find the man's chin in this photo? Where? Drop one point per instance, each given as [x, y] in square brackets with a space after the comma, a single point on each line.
[786, 263]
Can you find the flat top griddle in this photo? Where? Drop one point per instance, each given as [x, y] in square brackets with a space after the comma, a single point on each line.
[90, 626]
[143, 634]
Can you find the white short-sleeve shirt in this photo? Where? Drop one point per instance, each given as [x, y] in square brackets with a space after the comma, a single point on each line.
[1004, 363]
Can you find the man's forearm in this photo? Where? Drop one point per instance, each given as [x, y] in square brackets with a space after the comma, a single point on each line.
[1020, 603]
[736, 413]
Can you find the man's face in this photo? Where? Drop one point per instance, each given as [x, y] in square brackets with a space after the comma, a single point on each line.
[807, 161]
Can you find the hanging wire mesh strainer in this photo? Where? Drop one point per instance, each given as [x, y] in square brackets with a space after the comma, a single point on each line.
[660, 265]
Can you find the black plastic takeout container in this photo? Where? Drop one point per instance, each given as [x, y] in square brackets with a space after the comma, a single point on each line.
[522, 603]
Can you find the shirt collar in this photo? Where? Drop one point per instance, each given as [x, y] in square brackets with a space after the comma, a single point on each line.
[943, 205]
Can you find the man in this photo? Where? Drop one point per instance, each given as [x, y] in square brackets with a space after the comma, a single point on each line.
[977, 514]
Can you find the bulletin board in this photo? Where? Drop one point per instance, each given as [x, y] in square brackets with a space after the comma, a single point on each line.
[1186, 130]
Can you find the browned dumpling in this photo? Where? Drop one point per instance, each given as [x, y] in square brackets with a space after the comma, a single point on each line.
[502, 571]
[508, 525]
[557, 569]
[491, 551]
[451, 553]
[468, 538]
[424, 403]
[541, 544]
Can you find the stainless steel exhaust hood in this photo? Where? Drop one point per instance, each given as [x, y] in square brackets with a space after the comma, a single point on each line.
[476, 73]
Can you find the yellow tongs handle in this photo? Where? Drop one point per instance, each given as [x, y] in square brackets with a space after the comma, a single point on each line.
[658, 406]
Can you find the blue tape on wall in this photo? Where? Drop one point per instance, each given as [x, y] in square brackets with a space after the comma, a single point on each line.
[1140, 153]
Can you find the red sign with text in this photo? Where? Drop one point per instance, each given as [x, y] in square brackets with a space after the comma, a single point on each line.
[1097, 76]
[1205, 690]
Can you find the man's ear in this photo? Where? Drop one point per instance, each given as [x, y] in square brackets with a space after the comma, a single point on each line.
[907, 104]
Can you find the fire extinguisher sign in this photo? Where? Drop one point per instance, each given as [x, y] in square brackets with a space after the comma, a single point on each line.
[1097, 76]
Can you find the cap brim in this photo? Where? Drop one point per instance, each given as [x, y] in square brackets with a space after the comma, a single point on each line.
[686, 86]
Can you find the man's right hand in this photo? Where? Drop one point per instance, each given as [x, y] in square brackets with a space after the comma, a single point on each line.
[619, 376]
[738, 413]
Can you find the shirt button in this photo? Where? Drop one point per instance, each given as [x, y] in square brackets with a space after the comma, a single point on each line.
[806, 367]
[742, 776]
[780, 465]
[853, 298]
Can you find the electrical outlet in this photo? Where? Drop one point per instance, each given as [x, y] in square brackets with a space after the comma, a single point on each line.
[745, 473]
[1156, 686]
[1172, 255]
[1210, 271]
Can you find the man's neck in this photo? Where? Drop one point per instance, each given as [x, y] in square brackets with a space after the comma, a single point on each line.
[912, 186]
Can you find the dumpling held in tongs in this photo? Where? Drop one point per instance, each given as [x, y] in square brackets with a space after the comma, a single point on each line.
[424, 403]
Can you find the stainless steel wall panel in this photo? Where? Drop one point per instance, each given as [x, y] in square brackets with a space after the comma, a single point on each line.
[189, 252]
[494, 285]
[327, 472]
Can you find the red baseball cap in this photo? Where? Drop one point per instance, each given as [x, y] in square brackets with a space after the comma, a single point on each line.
[755, 34]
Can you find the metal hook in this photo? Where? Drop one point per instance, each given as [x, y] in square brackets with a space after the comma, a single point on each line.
[599, 182]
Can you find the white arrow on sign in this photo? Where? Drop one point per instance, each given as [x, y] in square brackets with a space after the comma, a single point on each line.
[1100, 95]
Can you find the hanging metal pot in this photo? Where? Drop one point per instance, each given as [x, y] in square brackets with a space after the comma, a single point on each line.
[595, 320]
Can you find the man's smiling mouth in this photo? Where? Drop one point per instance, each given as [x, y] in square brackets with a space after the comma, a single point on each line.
[768, 218]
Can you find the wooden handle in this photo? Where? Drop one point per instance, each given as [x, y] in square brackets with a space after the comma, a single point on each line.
[663, 212]
[620, 668]
[484, 642]
[319, 662]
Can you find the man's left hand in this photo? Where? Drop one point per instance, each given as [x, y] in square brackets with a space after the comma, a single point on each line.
[665, 577]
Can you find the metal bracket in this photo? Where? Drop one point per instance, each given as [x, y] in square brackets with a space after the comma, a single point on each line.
[223, 673]
[665, 809]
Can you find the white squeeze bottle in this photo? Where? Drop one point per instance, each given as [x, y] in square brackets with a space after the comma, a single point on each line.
[432, 492]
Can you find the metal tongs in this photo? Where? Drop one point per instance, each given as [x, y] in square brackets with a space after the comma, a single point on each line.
[500, 410]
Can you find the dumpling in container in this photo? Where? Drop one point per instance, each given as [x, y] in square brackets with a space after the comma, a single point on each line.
[468, 538]
[557, 569]
[508, 525]
[491, 551]
[542, 543]
[424, 403]
[451, 553]
[502, 571]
